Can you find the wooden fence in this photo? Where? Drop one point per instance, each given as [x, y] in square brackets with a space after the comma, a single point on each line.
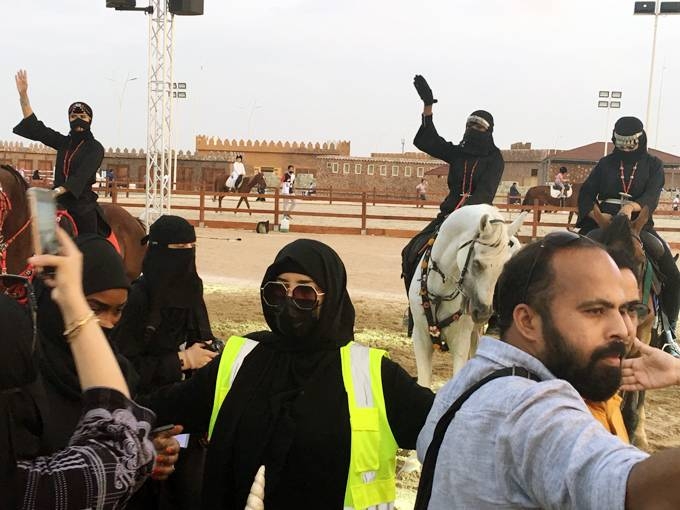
[358, 222]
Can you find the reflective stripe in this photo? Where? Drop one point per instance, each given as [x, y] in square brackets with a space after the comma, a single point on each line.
[381, 506]
[235, 351]
[371, 477]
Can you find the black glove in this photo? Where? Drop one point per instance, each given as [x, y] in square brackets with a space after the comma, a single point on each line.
[424, 90]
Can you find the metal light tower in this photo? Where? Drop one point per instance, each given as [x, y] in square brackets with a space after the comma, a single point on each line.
[159, 154]
[605, 103]
[160, 160]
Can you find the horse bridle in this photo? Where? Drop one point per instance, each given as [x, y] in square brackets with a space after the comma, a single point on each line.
[5, 210]
[430, 301]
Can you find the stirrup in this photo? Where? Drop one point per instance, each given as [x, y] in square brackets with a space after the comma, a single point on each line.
[671, 346]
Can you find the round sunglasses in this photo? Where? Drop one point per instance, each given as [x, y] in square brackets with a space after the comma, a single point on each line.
[303, 296]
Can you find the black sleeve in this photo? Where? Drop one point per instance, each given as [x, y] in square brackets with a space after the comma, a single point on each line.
[83, 172]
[407, 403]
[428, 140]
[589, 192]
[650, 196]
[485, 189]
[187, 403]
[130, 339]
[33, 129]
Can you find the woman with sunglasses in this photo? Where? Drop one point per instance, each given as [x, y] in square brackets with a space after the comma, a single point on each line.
[322, 414]
[109, 453]
[624, 182]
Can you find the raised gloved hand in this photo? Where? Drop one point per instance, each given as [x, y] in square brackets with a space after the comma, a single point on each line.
[424, 90]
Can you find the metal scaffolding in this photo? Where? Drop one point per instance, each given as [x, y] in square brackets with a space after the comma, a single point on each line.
[160, 159]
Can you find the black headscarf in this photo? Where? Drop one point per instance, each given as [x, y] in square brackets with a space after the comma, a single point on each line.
[628, 126]
[17, 370]
[102, 270]
[335, 326]
[85, 134]
[257, 422]
[479, 143]
[170, 275]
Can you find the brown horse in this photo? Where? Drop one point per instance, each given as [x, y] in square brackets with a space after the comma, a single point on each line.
[247, 184]
[15, 234]
[621, 234]
[542, 194]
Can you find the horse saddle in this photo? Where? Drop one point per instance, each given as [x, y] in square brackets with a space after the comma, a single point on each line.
[558, 193]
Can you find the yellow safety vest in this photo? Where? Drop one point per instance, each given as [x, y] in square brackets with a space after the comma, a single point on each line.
[372, 466]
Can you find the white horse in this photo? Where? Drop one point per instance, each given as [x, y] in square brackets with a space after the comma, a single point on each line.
[460, 274]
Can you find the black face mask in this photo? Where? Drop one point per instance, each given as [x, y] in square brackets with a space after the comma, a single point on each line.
[477, 143]
[293, 322]
[79, 123]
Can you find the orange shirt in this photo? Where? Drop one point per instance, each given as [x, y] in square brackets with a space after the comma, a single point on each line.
[608, 413]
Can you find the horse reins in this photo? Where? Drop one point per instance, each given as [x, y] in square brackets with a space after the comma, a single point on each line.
[16, 291]
[430, 301]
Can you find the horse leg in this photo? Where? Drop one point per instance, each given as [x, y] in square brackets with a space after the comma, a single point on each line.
[219, 202]
[245, 199]
[459, 340]
[239, 203]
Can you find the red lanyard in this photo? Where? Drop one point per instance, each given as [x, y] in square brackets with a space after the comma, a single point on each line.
[465, 194]
[68, 158]
[626, 189]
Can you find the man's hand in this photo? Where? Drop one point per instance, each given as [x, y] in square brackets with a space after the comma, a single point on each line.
[167, 453]
[653, 369]
[424, 90]
[195, 357]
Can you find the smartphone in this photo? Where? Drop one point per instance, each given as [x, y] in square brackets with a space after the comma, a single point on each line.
[43, 209]
[162, 428]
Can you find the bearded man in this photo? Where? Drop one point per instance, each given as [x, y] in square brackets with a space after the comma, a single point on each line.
[511, 429]
[79, 156]
[624, 182]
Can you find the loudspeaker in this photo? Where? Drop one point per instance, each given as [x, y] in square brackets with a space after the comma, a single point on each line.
[121, 4]
[186, 7]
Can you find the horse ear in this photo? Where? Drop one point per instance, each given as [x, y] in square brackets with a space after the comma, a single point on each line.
[601, 220]
[483, 222]
[641, 220]
[514, 227]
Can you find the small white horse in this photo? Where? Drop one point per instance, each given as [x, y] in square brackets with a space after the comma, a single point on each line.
[460, 273]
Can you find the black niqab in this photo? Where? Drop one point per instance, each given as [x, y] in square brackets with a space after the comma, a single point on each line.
[17, 370]
[257, 423]
[479, 143]
[628, 126]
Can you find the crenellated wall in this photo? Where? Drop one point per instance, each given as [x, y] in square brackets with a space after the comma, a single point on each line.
[212, 144]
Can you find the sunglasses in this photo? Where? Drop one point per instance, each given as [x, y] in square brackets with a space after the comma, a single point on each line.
[551, 241]
[303, 296]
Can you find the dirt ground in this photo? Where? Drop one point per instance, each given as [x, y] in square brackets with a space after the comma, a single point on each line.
[232, 263]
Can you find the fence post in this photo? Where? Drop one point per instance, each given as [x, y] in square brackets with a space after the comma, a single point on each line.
[373, 196]
[534, 221]
[330, 195]
[276, 208]
[201, 208]
[363, 212]
[114, 192]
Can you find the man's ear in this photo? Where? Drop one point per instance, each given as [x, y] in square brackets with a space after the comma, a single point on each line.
[528, 323]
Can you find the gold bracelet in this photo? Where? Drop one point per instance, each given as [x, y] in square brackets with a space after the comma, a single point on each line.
[75, 327]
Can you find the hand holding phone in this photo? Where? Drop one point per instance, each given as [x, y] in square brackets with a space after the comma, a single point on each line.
[43, 210]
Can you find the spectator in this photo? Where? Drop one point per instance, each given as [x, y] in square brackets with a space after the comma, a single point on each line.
[514, 195]
[288, 191]
[109, 453]
[421, 191]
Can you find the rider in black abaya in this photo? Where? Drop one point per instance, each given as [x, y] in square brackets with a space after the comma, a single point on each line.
[287, 408]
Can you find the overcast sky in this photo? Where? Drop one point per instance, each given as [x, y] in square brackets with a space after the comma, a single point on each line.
[303, 70]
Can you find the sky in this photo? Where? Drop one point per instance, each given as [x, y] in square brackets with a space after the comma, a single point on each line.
[324, 70]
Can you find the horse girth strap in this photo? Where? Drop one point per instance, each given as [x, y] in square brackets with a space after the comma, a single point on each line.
[430, 462]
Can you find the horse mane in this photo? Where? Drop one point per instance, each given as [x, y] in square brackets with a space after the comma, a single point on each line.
[14, 172]
[619, 233]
